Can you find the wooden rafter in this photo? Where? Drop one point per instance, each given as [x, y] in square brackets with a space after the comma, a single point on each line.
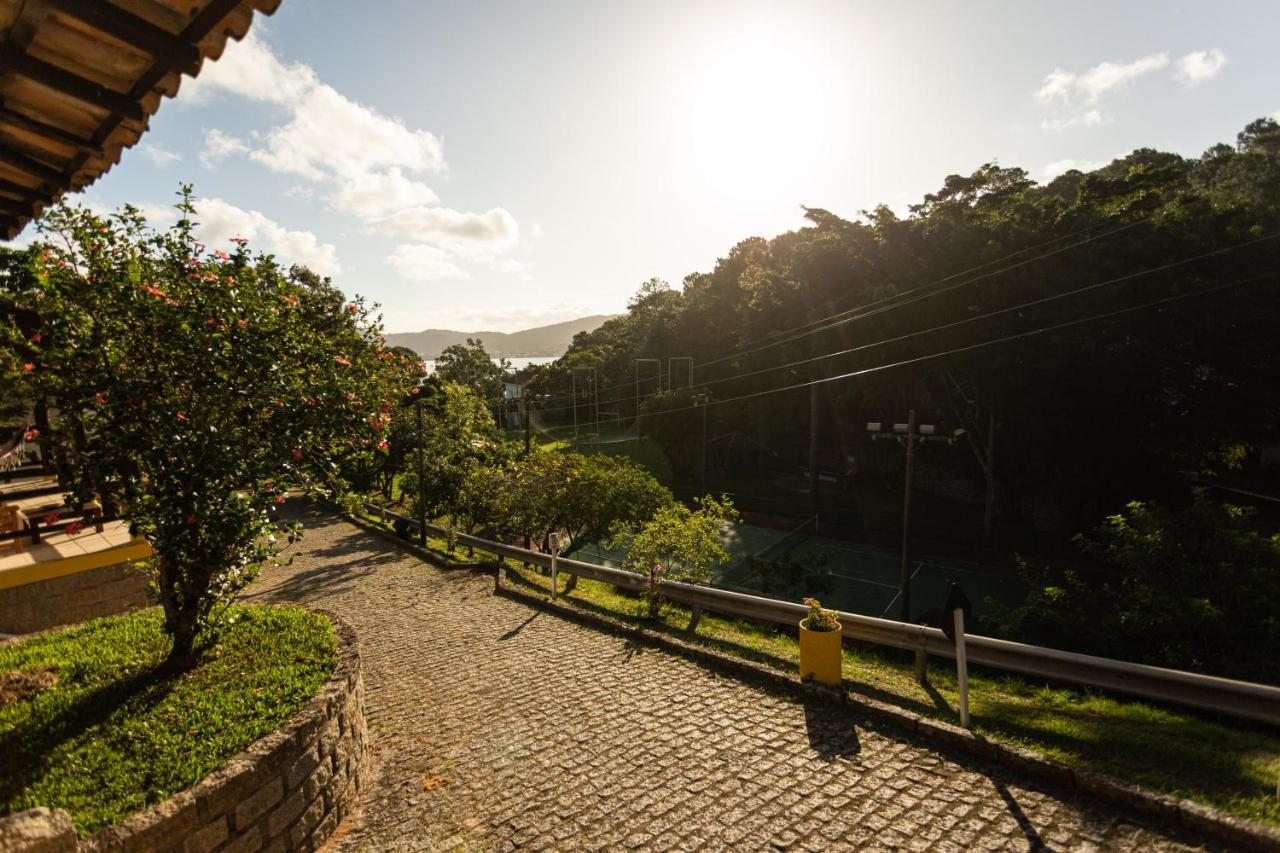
[109, 18]
[61, 129]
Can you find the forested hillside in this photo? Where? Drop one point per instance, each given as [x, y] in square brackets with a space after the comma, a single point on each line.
[549, 340]
[1119, 326]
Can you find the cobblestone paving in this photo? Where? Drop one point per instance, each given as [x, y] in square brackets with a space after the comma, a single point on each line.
[497, 727]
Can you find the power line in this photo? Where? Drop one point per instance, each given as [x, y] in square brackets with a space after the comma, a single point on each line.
[879, 305]
[990, 314]
[879, 309]
[969, 347]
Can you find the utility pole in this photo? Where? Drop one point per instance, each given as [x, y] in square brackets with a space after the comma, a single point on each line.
[909, 435]
[656, 361]
[700, 400]
[813, 449]
[904, 576]
[989, 511]
[422, 482]
[524, 405]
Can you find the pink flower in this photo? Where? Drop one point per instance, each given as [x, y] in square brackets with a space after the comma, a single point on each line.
[31, 434]
[37, 337]
[239, 241]
[52, 518]
[28, 367]
[211, 323]
[153, 291]
[351, 306]
[351, 395]
[182, 417]
[242, 323]
[382, 445]
[413, 392]
[280, 499]
[222, 256]
[340, 360]
[296, 454]
[73, 528]
[100, 399]
[191, 520]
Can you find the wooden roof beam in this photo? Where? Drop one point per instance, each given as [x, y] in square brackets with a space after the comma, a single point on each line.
[15, 208]
[46, 131]
[41, 171]
[73, 85]
[107, 17]
[17, 189]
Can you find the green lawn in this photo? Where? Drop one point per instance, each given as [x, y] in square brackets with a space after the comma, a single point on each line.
[1231, 766]
[107, 732]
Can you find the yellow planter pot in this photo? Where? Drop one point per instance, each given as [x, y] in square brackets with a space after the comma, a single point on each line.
[820, 656]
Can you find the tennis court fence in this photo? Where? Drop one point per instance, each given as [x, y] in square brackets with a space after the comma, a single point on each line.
[1226, 696]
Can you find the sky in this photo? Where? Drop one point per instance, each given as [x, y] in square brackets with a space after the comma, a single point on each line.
[503, 165]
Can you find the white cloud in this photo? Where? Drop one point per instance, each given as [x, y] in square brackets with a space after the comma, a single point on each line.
[522, 270]
[369, 164]
[1077, 94]
[472, 234]
[218, 146]
[160, 155]
[420, 262]
[218, 221]
[249, 69]
[1199, 66]
[377, 193]
[1089, 118]
[1059, 167]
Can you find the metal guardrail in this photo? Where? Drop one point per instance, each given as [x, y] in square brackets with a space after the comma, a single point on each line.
[1227, 696]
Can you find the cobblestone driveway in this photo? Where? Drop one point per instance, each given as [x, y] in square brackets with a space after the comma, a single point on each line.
[496, 726]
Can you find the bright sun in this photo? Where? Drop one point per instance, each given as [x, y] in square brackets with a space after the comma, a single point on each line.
[756, 107]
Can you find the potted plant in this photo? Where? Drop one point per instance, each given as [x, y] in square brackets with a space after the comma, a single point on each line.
[820, 644]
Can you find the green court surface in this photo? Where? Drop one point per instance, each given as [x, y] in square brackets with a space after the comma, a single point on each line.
[844, 575]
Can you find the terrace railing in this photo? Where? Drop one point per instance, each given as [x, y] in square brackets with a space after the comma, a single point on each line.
[1226, 696]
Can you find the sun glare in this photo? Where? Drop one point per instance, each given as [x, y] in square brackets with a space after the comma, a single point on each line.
[756, 108]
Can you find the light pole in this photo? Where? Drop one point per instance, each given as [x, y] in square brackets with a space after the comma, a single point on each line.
[700, 400]
[909, 435]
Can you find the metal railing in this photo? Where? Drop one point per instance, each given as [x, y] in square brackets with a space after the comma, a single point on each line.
[1227, 696]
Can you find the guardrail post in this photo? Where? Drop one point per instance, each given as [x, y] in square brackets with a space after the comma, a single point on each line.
[962, 667]
[555, 553]
[922, 667]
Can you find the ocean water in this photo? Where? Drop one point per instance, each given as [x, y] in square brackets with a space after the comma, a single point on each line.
[517, 362]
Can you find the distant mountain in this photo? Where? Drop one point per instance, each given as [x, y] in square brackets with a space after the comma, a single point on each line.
[550, 340]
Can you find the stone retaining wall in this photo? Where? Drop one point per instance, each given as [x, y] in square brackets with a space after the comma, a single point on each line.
[44, 604]
[287, 791]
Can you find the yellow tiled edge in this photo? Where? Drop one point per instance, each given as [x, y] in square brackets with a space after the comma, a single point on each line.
[136, 549]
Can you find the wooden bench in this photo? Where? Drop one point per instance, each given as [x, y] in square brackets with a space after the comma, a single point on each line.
[12, 520]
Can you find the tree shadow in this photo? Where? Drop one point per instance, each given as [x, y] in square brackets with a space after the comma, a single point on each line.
[29, 750]
[318, 582]
[832, 732]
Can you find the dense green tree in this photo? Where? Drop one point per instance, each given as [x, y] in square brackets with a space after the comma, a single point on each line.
[1190, 589]
[680, 544]
[192, 388]
[470, 365]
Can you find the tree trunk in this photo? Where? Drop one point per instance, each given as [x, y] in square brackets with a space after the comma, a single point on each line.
[181, 614]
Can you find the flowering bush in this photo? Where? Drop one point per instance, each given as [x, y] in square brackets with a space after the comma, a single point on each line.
[681, 544]
[193, 387]
[818, 619]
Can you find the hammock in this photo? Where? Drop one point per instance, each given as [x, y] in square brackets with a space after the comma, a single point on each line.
[12, 451]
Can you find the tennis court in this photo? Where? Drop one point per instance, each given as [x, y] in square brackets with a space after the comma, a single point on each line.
[845, 575]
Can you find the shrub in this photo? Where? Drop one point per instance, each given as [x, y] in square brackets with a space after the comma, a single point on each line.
[193, 386]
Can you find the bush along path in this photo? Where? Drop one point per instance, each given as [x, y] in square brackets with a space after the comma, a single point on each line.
[496, 725]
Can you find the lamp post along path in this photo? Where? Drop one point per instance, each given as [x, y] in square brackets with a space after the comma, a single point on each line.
[909, 435]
